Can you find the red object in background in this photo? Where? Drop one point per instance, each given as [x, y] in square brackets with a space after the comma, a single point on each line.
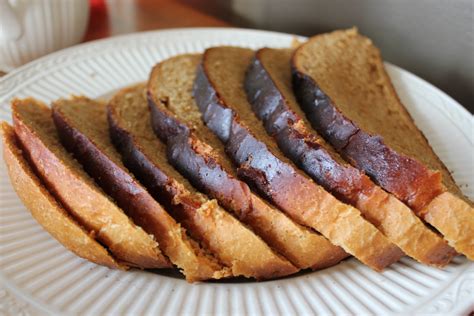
[98, 21]
[97, 4]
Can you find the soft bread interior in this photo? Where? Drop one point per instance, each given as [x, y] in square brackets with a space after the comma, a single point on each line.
[132, 114]
[182, 71]
[230, 77]
[277, 63]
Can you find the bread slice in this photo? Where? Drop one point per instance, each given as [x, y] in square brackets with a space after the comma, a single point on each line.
[142, 152]
[83, 130]
[44, 207]
[220, 95]
[268, 87]
[199, 155]
[347, 95]
[79, 194]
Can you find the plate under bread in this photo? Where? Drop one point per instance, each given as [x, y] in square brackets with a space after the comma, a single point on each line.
[38, 275]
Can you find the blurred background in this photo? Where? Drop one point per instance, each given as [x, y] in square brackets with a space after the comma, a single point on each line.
[433, 39]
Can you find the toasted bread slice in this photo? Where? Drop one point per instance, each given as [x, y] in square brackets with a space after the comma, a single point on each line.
[83, 130]
[221, 98]
[268, 87]
[341, 83]
[44, 207]
[145, 155]
[79, 194]
[200, 156]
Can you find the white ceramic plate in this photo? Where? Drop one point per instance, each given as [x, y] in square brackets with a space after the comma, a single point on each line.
[39, 276]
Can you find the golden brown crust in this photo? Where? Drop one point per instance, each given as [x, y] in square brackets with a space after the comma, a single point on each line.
[204, 166]
[45, 209]
[454, 218]
[85, 201]
[404, 228]
[229, 240]
[268, 80]
[235, 245]
[305, 248]
[83, 129]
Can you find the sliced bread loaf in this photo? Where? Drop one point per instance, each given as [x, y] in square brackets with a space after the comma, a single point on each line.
[44, 207]
[341, 83]
[83, 130]
[268, 87]
[233, 243]
[221, 98]
[79, 194]
[199, 155]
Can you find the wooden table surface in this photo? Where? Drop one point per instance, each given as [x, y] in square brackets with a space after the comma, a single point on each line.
[114, 17]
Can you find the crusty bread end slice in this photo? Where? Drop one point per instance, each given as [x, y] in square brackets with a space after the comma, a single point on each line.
[341, 83]
[145, 155]
[79, 194]
[44, 207]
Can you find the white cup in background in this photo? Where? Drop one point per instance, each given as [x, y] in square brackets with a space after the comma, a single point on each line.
[33, 28]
